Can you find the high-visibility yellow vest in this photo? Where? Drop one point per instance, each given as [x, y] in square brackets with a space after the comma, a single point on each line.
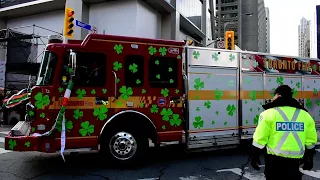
[285, 131]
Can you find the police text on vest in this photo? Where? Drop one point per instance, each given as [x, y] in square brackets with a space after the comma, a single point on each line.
[290, 126]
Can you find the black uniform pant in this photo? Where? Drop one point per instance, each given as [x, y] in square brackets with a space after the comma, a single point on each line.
[279, 168]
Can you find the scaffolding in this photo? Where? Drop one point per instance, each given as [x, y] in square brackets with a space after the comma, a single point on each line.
[22, 52]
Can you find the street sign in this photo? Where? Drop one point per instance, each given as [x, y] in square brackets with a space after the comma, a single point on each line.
[83, 25]
[220, 44]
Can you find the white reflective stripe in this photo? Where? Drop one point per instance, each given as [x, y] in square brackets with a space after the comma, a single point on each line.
[286, 134]
[67, 93]
[311, 146]
[257, 145]
[289, 153]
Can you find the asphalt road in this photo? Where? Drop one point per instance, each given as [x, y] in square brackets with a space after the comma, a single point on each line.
[168, 163]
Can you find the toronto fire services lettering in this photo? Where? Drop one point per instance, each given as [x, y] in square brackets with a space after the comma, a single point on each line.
[279, 64]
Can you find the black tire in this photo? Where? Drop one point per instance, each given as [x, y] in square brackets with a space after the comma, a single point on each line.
[141, 144]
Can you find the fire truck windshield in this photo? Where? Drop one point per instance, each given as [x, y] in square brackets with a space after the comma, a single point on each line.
[45, 76]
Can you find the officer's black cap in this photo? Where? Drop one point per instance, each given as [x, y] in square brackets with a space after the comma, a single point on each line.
[284, 91]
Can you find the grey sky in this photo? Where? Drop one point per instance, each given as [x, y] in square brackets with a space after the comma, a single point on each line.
[285, 17]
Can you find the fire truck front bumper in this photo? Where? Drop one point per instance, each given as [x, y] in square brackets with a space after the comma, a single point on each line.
[18, 138]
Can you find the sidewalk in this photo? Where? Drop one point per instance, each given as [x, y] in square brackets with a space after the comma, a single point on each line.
[5, 128]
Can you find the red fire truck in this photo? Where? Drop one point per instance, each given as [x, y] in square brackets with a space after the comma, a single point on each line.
[127, 91]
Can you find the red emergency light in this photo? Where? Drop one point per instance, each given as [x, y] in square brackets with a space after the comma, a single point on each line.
[70, 13]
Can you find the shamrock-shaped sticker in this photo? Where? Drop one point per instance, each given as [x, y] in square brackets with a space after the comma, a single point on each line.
[166, 113]
[231, 57]
[86, 128]
[198, 84]
[157, 62]
[138, 81]
[196, 54]
[93, 91]
[165, 92]
[41, 100]
[152, 50]
[154, 108]
[175, 120]
[143, 91]
[81, 93]
[255, 64]
[177, 91]
[100, 113]
[27, 144]
[60, 89]
[125, 92]
[198, 122]
[280, 80]
[104, 91]
[77, 114]
[118, 48]
[133, 68]
[256, 119]
[42, 115]
[207, 104]
[170, 69]
[215, 56]
[164, 127]
[12, 144]
[163, 51]
[117, 66]
[231, 109]
[309, 103]
[253, 95]
[298, 84]
[158, 76]
[218, 94]
[294, 92]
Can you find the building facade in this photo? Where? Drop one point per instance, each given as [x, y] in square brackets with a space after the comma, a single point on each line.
[248, 19]
[304, 37]
[31, 21]
[268, 29]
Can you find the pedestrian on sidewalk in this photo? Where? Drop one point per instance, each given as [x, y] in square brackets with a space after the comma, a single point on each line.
[287, 133]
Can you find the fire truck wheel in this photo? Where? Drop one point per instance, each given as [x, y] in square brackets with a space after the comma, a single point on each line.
[125, 146]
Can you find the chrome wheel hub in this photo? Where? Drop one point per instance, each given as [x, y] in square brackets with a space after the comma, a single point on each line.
[123, 145]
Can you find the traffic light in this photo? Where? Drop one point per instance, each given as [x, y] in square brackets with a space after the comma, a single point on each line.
[229, 40]
[68, 23]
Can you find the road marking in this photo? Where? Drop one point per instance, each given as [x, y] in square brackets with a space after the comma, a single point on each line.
[248, 175]
[315, 174]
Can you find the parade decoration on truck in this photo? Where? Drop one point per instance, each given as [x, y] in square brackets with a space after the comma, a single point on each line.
[126, 90]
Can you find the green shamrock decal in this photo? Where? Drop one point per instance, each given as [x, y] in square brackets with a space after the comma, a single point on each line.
[256, 119]
[280, 80]
[60, 89]
[170, 69]
[217, 112]
[154, 108]
[166, 113]
[133, 68]
[143, 91]
[314, 67]
[117, 80]
[207, 104]
[158, 76]
[171, 81]
[42, 115]
[117, 66]
[231, 109]
[12, 144]
[81, 93]
[215, 56]
[213, 122]
[298, 84]
[77, 114]
[141, 104]
[178, 57]
[291, 82]
[253, 95]
[245, 102]
[218, 94]
[41, 100]
[177, 91]
[198, 84]
[33, 129]
[165, 92]
[163, 51]
[209, 76]
[309, 103]
[196, 54]
[247, 122]
[118, 48]
[163, 127]
[198, 109]
[225, 123]
[157, 62]
[175, 120]
[295, 92]
[198, 122]
[93, 91]
[255, 64]
[125, 92]
[152, 50]
[315, 90]
[258, 108]
[86, 128]
[68, 125]
[138, 81]
[197, 97]
[231, 57]
[100, 113]
[31, 113]
[318, 102]
[104, 91]
[251, 109]
[231, 83]
[27, 144]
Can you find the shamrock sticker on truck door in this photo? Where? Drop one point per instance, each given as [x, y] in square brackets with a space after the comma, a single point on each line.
[41, 100]
[86, 128]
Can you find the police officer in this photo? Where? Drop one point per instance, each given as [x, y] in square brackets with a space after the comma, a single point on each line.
[287, 134]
